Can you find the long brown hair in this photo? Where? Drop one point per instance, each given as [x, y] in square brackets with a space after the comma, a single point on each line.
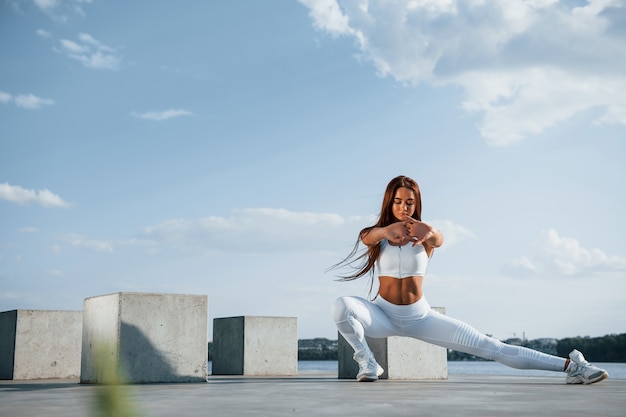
[367, 260]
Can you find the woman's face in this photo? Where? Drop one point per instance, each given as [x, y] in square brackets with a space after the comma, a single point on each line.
[403, 205]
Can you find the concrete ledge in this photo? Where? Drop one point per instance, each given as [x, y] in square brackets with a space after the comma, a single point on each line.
[40, 344]
[400, 357]
[145, 338]
[255, 346]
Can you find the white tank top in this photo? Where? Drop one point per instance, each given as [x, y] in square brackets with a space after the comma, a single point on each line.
[401, 261]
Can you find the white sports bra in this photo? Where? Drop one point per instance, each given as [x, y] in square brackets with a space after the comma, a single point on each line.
[401, 261]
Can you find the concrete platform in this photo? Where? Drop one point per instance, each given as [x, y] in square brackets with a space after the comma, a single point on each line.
[322, 394]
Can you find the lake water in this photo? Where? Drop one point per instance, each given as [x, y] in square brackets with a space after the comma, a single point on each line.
[616, 370]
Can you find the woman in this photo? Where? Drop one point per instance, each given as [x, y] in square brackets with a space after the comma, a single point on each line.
[399, 247]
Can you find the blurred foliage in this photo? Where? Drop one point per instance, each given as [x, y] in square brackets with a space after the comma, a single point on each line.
[609, 348]
[113, 396]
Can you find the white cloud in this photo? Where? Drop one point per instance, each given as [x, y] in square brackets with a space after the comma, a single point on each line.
[87, 243]
[72, 47]
[525, 66]
[62, 10]
[520, 268]
[19, 195]
[28, 230]
[570, 258]
[32, 102]
[46, 5]
[87, 50]
[91, 53]
[163, 115]
[25, 101]
[272, 229]
[453, 234]
[557, 256]
[327, 15]
[88, 39]
[43, 33]
[260, 230]
[5, 97]
[614, 115]
[256, 230]
[104, 245]
[526, 102]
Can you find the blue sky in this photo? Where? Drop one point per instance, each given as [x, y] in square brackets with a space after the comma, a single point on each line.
[235, 149]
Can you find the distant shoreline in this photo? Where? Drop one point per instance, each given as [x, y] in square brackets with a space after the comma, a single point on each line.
[608, 349]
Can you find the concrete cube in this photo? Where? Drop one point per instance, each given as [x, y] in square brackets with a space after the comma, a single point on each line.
[144, 338]
[401, 357]
[255, 346]
[40, 344]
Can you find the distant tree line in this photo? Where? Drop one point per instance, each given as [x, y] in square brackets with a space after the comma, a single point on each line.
[609, 348]
[319, 349]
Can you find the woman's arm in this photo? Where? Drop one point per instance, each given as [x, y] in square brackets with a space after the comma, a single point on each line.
[396, 233]
[424, 233]
[436, 239]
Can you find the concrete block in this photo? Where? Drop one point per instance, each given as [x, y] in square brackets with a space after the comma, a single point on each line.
[255, 346]
[144, 338]
[401, 357]
[40, 344]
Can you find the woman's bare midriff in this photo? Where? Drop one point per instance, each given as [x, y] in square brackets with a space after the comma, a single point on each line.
[401, 291]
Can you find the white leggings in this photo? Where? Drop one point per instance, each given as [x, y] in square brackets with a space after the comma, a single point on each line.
[357, 317]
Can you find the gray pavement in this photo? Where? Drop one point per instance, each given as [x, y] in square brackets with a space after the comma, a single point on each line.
[322, 394]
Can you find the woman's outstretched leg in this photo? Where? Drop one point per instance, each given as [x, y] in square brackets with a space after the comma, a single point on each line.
[454, 334]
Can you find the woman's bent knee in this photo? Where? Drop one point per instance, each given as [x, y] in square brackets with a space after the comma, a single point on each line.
[341, 309]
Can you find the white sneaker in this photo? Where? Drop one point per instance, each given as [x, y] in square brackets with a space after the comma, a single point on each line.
[369, 369]
[580, 371]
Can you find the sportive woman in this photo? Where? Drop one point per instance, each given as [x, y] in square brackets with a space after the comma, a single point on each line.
[399, 247]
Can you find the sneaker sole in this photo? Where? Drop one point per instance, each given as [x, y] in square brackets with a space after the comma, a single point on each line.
[579, 380]
[598, 379]
[370, 378]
